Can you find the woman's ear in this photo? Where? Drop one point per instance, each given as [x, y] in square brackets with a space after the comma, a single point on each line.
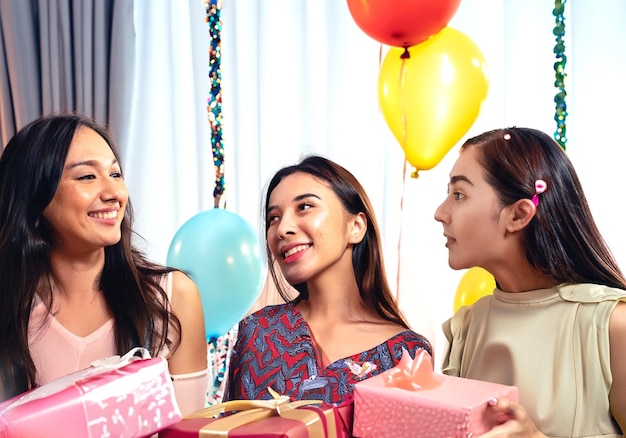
[522, 213]
[359, 228]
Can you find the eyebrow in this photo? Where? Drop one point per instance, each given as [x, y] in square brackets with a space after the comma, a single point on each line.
[93, 163]
[456, 178]
[296, 199]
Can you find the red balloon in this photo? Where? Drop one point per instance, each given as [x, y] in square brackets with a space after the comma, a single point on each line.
[402, 23]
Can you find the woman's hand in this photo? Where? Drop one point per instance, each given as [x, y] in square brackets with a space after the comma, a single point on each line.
[511, 420]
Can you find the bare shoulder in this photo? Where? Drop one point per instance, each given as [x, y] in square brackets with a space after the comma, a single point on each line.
[390, 329]
[185, 294]
[617, 331]
[183, 285]
[187, 306]
[617, 338]
[618, 317]
[379, 332]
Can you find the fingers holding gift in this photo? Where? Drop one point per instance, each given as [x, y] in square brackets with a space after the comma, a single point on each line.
[510, 419]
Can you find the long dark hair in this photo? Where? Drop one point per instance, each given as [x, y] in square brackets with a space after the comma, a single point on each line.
[31, 167]
[562, 241]
[367, 255]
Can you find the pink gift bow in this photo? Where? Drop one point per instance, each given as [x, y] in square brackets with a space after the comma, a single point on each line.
[413, 374]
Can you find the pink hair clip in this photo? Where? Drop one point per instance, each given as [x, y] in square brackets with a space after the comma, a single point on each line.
[540, 187]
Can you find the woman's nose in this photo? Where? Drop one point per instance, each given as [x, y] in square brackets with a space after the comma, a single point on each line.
[285, 227]
[113, 189]
[441, 213]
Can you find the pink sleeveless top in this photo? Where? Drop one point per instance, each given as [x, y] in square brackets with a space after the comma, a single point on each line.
[56, 351]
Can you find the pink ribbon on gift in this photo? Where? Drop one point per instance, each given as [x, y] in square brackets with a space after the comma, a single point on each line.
[98, 367]
[413, 374]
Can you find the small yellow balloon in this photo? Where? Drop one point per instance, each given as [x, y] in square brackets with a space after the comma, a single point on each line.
[431, 98]
[475, 283]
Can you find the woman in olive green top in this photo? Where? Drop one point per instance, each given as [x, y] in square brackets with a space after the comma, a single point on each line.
[555, 325]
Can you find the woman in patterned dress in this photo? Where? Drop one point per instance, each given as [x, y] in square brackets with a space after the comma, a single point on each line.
[344, 324]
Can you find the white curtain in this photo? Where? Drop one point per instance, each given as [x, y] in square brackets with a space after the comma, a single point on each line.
[164, 134]
[299, 76]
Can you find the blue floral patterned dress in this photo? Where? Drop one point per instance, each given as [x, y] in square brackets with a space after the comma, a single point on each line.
[275, 348]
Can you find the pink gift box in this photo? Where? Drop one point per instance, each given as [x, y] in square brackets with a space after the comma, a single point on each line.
[410, 400]
[117, 397]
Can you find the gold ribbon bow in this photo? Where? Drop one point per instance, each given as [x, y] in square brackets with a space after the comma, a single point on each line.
[256, 410]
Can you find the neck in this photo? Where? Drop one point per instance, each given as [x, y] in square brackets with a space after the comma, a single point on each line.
[512, 271]
[333, 302]
[76, 277]
[523, 280]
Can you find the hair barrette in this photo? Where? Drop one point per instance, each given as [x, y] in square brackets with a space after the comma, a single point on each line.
[507, 136]
[540, 187]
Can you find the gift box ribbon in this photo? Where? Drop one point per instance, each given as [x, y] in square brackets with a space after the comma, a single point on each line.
[99, 366]
[256, 410]
[413, 374]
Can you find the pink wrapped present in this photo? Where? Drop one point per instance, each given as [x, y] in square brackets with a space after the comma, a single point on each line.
[410, 400]
[116, 397]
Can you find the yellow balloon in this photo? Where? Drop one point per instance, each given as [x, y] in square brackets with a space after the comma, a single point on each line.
[475, 283]
[431, 98]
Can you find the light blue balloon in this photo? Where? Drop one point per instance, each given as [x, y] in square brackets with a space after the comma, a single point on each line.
[221, 252]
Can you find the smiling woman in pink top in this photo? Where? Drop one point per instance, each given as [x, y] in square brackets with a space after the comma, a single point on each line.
[73, 288]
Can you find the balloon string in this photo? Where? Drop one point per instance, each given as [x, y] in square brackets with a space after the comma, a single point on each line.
[398, 272]
[402, 104]
[401, 79]
[405, 124]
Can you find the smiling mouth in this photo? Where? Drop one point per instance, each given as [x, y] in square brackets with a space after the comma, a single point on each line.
[294, 250]
[104, 215]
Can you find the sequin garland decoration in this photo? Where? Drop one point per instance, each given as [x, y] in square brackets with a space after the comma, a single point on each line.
[218, 349]
[560, 135]
[214, 101]
[218, 356]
